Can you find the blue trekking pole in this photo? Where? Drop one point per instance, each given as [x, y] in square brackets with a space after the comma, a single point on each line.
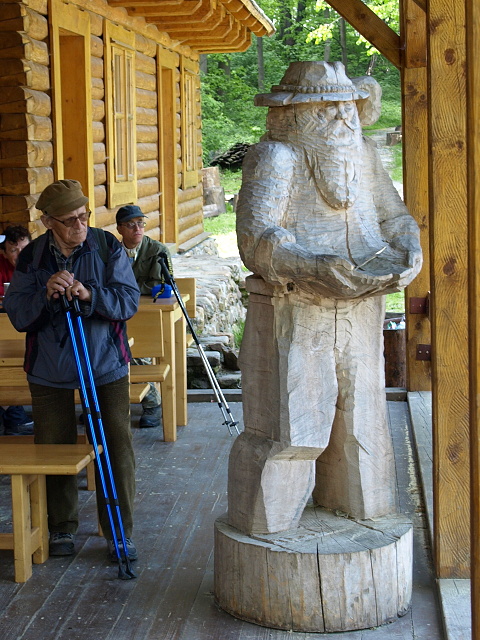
[69, 307]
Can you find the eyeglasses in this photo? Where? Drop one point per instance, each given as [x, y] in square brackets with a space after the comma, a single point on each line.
[69, 222]
[131, 225]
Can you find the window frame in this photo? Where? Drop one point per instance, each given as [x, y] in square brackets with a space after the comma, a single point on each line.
[120, 114]
[188, 97]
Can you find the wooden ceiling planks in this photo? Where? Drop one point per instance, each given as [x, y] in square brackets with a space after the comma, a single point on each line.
[209, 26]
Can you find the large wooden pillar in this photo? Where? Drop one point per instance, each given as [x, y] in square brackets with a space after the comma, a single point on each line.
[415, 182]
[473, 156]
[449, 250]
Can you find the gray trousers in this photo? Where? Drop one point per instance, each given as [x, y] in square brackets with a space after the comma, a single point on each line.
[55, 423]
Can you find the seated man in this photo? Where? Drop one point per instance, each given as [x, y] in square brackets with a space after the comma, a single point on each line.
[143, 253]
[15, 420]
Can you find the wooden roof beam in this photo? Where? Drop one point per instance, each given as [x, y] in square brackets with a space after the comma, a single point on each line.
[258, 22]
[373, 28]
[191, 9]
[179, 26]
[422, 4]
[148, 3]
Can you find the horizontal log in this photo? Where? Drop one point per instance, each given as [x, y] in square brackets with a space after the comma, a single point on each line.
[19, 45]
[23, 100]
[148, 187]
[190, 194]
[99, 174]
[98, 131]
[31, 22]
[21, 204]
[147, 99]
[146, 133]
[97, 67]
[146, 64]
[104, 217]
[190, 233]
[98, 110]
[192, 219]
[41, 6]
[152, 223]
[100, 196]
[147, 151]
[24, 73]
[147, 169]
[98, 88]
[146, 116]
[149, 203]
[145, 81]
[96, 23]
[24, 181]
[25, 126]
[145, 45]
[99, 152]
[96, 46]
[22, 153]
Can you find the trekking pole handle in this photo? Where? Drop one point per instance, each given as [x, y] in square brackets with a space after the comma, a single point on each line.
[70, 305]
[164, 261]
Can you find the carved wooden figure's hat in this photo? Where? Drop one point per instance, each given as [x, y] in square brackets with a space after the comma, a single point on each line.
[319, 81]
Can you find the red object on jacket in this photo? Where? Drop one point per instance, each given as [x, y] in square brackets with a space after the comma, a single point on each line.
[6, 272]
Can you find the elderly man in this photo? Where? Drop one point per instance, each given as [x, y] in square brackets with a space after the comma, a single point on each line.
[143, 253]
[73, 260]
[326, 234]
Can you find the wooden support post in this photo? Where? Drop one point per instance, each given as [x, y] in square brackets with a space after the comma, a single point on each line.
[473, 151]
[449, 251]
[415, 179]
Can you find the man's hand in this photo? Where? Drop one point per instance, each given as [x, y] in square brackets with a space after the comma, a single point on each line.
[64, 283]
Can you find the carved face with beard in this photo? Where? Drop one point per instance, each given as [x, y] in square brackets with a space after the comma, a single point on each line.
[331, 135]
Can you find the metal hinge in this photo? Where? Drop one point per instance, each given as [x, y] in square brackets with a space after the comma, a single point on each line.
[424, 352]
[420, 305]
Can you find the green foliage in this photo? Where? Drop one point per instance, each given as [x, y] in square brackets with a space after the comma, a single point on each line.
[222, 224]
[238, 330]
[231, 180]
[306, 30]
[396, 302]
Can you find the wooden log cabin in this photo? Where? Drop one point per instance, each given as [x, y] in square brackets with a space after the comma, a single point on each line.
[107, 92]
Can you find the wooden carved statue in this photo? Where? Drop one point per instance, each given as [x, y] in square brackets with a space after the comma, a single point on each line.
[326, 235]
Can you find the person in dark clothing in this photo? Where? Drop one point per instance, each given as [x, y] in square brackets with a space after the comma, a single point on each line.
[15, 420]
[143, 253]
[73, 260]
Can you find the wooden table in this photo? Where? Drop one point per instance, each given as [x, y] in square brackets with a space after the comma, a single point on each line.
[28, 464]
[174, 388]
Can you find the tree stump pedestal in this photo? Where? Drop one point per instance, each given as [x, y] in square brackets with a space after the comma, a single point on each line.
[330, 574]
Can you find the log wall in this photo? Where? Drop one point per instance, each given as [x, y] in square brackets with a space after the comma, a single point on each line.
[27, 162]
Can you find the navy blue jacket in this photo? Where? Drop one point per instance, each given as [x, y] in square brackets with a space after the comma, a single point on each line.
[49, 357]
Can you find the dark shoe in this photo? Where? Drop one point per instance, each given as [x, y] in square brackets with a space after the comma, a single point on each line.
[17, 422]
[61, 544]
[131, 549]
[150, 418]
[25, 429]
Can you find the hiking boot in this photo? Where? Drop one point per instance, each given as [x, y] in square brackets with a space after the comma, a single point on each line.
[131, 549]
[61, 544]
[17, 422]
[150, 417]
[25, 429]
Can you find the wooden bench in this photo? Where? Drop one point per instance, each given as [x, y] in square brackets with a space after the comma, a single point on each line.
[28, 464]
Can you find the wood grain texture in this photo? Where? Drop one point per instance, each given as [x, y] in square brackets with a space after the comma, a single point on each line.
[330, 574]
[448, 212]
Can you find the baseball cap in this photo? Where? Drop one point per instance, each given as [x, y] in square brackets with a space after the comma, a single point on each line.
[129, 211]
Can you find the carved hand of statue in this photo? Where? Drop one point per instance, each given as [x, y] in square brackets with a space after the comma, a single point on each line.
[339, 278]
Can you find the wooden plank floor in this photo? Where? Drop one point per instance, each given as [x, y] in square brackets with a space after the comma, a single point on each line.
[181, 490]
